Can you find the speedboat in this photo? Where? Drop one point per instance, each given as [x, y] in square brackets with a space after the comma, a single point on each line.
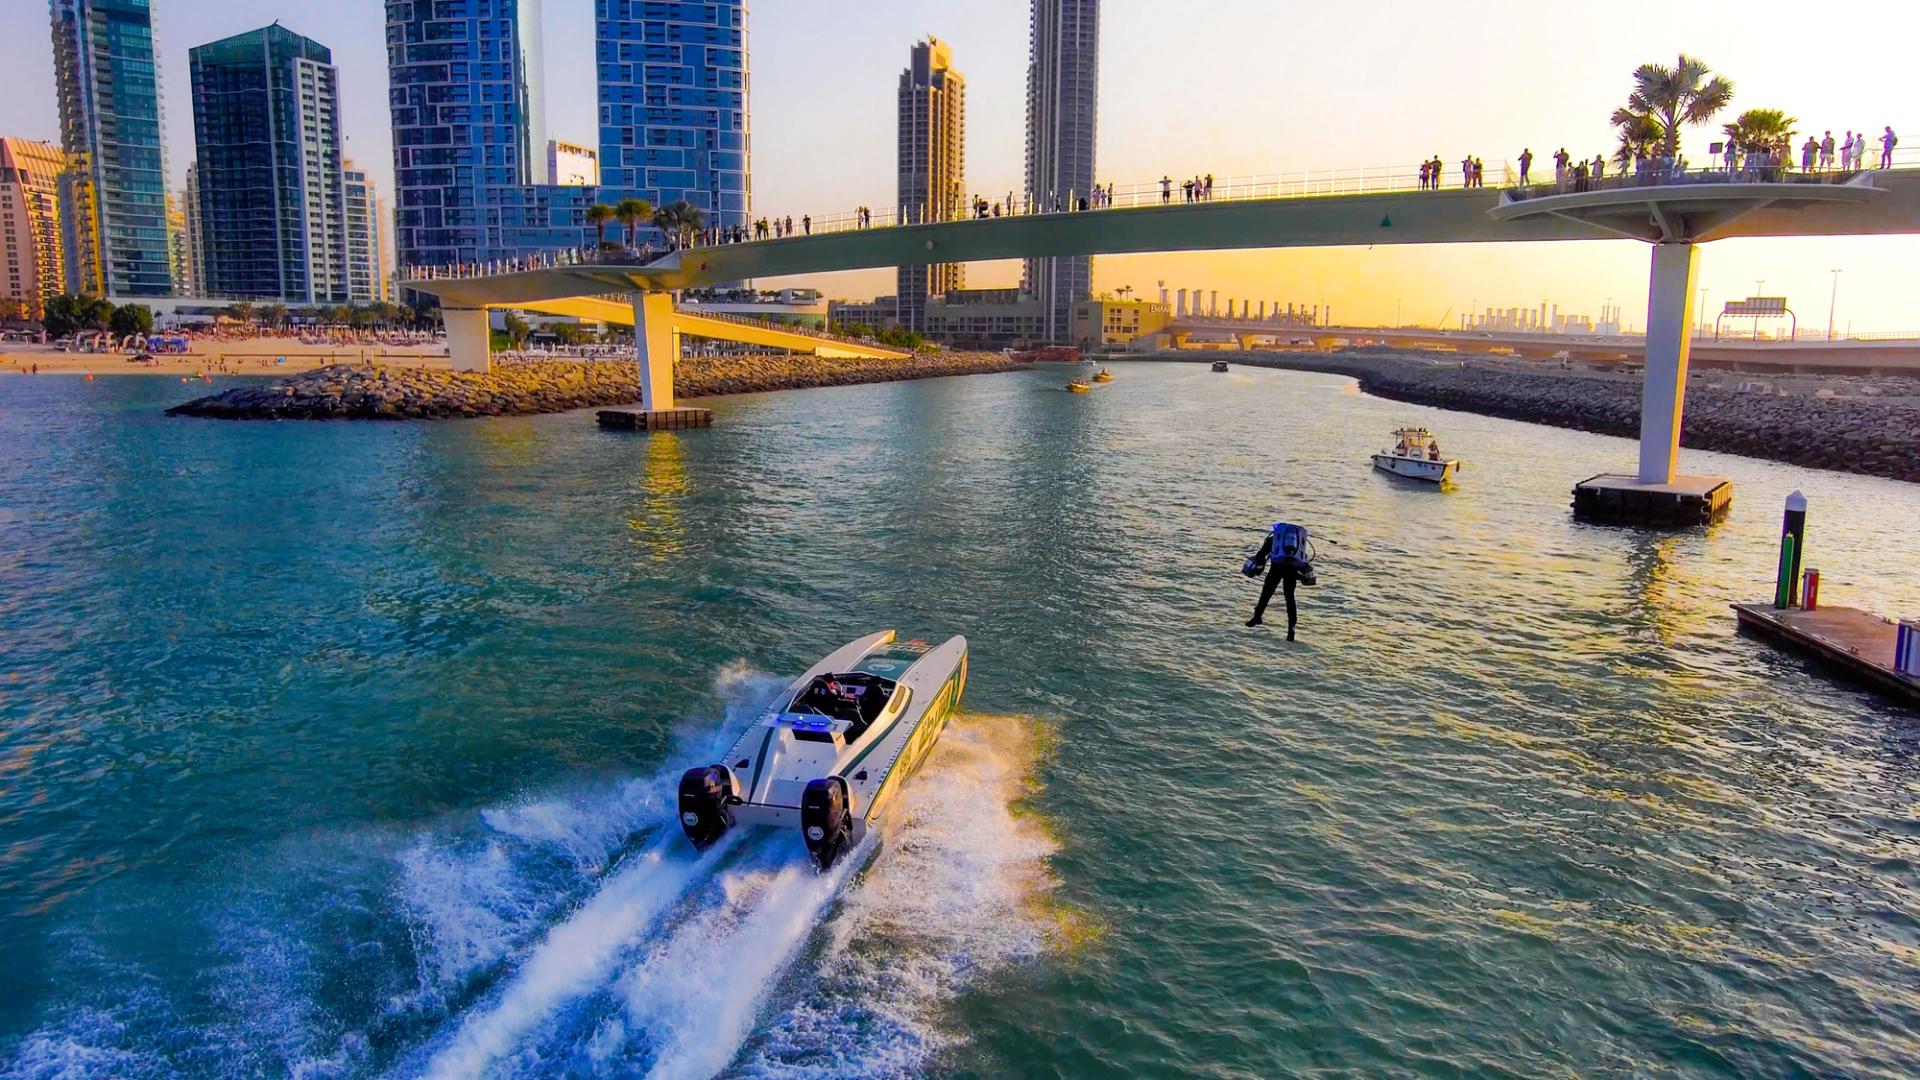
[1416, 456]
[1219, 365]
[1080, 386]
[1103, 375]
[834, 748]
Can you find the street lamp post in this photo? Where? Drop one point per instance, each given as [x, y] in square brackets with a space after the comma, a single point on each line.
[1831, 301]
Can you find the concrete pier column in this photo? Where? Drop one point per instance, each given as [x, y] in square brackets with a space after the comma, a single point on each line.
[1213, 304]
[657, 348]
[1669, 320]
[469, 338]
[1181, 311]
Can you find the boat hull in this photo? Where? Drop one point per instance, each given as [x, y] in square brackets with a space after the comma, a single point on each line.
[1433, 472]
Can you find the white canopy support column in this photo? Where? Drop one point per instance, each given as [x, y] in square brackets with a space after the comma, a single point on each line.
[658, 348]
[1670, 298]
[469, 338]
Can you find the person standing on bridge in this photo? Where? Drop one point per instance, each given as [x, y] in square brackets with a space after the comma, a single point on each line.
[1526, 163]
[1887, 143]
[1560, 160]
[1166, 189]
[1826, 152]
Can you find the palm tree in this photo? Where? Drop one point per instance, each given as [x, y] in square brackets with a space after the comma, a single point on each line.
[631, 212]
[597, 216]
[1761, 129]
[1666, 99]
[679, 219]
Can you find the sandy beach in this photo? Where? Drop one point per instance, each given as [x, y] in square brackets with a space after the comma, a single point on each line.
[246, 356]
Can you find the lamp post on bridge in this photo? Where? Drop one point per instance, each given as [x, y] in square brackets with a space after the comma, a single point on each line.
[1833, 300]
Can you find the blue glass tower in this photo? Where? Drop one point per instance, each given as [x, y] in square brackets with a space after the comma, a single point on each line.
[114, 194]
[469, 137]
[673, 104]
[271, 186]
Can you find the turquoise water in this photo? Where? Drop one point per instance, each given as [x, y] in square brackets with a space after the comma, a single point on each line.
[345, 749]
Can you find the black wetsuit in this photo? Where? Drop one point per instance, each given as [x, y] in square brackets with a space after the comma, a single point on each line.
[1283, 569]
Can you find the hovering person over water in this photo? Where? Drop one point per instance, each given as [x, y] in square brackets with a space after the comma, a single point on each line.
[1288, 556]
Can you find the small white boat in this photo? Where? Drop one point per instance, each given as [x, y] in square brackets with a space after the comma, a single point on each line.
[832, 751]
[1416, 456]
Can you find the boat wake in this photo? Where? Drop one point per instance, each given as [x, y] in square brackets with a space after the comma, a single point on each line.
[579, 934]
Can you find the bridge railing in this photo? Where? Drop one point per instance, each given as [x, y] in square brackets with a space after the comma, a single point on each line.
[1372, 180]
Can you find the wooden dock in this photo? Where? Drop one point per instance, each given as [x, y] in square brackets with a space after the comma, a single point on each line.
[635, 418]
[1849, 640]
[1613, 499]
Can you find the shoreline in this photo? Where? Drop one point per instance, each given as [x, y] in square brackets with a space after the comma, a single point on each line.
[367, 392]
[1865, 434]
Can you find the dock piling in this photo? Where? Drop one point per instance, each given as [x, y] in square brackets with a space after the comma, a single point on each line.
[1793, 543]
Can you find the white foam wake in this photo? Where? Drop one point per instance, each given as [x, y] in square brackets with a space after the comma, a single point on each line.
[575, 957]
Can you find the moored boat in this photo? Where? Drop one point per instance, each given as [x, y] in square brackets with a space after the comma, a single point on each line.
[1416, 456]
[832, 751]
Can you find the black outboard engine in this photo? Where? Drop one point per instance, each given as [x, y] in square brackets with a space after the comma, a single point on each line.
[826, 820]
[706, 798]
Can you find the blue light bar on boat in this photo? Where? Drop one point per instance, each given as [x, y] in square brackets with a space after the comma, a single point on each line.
[810, 723]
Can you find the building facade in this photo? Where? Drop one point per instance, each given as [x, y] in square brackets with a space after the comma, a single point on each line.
[932, 167]
[1063, 89]
[365, 276]
[266, 124]
[469, 164]
[674, 93]
[179, 246]
[1105, 321]
[113, 211]
[572, 166]
[32, 249]
[196, 237]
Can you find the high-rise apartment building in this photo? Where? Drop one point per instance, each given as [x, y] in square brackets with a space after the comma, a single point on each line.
[1063, 87]
[113, 210]
[179, 246]
[32, 266]
[469, 141]
[365, 279]
[674, 90]
[196, 237]
[572, 165]
[933, 167]
[266, 124]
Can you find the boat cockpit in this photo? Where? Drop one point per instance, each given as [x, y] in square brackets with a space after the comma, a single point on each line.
[856, 699]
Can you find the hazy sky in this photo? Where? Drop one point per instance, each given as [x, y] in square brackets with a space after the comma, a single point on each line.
[1235, 87]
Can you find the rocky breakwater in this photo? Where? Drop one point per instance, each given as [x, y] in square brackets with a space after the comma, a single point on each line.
[1861, 428]
[354, 392]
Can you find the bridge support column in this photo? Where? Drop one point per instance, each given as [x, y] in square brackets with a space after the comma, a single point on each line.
[657, 347]
[1670, 298]
[469, 338]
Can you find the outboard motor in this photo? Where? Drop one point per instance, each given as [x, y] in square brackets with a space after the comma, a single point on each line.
[706, 798]
[826, 820]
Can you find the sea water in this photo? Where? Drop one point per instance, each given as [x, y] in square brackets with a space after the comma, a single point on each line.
[348, 749]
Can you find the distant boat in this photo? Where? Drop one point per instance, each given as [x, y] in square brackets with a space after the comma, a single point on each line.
[1417, 457]
[1080, 386]
[1219, 365]
[1103, 375]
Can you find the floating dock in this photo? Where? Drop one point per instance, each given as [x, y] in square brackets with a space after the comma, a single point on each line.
[1856, 642]
[635, 418]
[1614, 499]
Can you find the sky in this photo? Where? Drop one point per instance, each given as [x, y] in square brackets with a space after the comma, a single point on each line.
[1232, 87]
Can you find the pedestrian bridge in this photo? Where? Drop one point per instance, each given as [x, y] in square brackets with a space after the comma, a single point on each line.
[1674, 217]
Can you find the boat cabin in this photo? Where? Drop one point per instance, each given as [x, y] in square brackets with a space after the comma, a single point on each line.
[838, 708]
[1416, 442]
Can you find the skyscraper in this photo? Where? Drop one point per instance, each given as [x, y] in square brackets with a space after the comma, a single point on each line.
[469, 141]
[113, 212]
[933, 166]
[196, 237]
[179, 246]
[266, 124]
[1063, 89]
[363, 237]
[32, 264]
[673, 104]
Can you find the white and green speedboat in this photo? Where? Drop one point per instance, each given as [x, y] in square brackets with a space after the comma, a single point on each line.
[832, 751]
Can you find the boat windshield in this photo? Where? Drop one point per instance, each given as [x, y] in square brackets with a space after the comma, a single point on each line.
[855, 698]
